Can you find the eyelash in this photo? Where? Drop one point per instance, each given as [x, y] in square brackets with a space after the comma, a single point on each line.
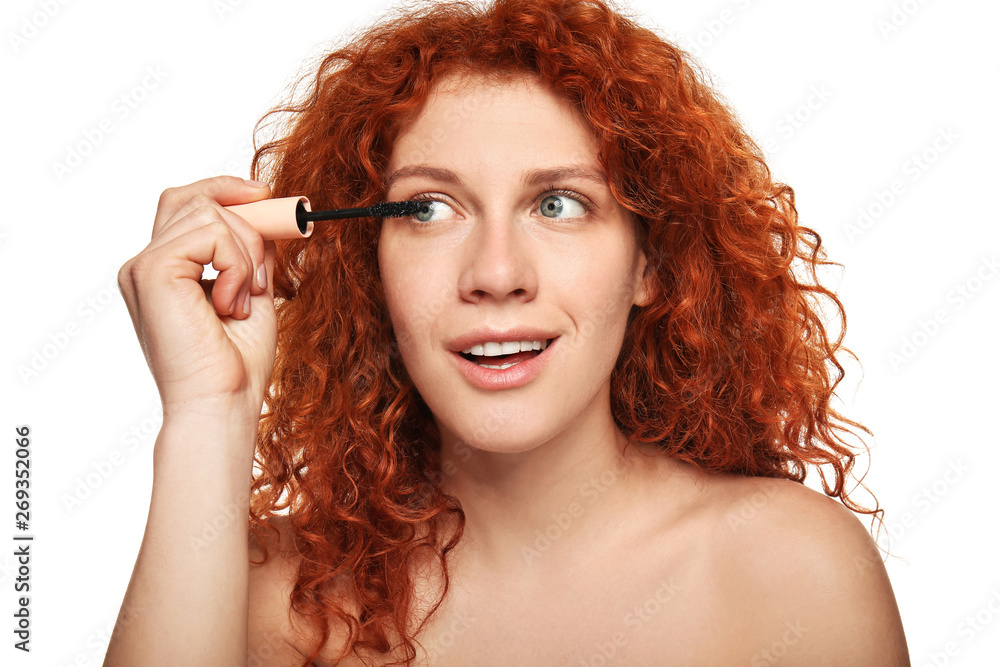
[547, 191]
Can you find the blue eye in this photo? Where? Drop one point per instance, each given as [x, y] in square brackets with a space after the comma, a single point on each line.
[553, 205]
[430, 207]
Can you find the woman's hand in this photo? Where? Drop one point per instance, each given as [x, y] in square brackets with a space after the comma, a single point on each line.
[198, 348]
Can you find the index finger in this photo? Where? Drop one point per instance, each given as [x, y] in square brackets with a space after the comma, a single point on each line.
[226, 190]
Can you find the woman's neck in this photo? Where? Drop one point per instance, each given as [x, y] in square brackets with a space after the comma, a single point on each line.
[537, 507]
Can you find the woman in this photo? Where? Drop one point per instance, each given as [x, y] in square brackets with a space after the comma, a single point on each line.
[560, 417]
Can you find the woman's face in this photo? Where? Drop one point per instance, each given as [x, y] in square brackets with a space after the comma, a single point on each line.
[523, 242]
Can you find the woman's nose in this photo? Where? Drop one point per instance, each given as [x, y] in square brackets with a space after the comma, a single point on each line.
[497, 262]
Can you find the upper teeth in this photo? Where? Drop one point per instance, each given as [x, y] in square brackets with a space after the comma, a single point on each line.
[496, 349]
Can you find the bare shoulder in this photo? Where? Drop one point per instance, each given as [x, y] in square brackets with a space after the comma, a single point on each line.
[274, 639]
[806, 569]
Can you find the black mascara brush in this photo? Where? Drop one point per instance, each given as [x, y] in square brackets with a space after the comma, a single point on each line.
[292, 217]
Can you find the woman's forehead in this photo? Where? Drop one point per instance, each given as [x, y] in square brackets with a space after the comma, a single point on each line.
[516, 120]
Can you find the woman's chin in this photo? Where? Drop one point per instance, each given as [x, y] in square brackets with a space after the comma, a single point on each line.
[500, 436]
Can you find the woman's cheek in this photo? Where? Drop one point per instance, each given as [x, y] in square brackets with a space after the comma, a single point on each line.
[416, 298]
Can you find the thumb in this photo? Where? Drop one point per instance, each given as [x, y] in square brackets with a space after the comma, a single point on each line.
[270, 254]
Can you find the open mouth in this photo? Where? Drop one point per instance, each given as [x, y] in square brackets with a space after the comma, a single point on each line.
[496, 360]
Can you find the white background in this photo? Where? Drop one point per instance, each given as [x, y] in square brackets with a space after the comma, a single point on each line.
[843, 98]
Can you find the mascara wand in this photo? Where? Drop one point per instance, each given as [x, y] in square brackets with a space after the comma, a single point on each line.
[292, 217]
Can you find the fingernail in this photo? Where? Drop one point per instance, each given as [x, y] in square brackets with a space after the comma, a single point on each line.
[232, 306]
[246, 303]
[256, 184]
[262, 277]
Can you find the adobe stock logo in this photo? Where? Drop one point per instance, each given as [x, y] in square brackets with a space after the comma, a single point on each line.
[33, 24]
[955, 300]
[714, 28]
[972, 626]
[899, 16]
[912, 170]
[121, 107]
[56, 342]
[797, 118]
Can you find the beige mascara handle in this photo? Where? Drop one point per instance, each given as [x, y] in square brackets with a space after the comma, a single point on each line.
[276, 218]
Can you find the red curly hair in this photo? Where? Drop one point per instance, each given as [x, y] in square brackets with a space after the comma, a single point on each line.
[730, 368]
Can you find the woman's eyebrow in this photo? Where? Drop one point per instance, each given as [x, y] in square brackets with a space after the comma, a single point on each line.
[533, 177]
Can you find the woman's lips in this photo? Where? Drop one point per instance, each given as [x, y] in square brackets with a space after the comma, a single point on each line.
[527, 366]
[503, 361]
